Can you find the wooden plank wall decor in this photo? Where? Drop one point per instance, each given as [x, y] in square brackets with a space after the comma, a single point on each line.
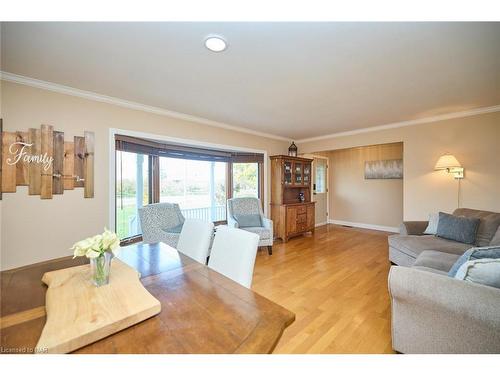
[35, 169]
[58, 170]
[79, 156]
[69, 165]
[8, 170]
[44, 162]
[22, 177]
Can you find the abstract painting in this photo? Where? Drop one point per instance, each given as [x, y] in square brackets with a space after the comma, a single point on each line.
[384, 169]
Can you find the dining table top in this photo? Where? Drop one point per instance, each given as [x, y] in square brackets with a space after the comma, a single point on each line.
[202, 311]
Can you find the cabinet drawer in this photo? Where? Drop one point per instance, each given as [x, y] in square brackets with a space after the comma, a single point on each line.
[301, 209]
[301, 218]
[301, 227]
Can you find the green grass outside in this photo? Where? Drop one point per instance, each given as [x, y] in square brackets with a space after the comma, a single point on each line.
[123, 217]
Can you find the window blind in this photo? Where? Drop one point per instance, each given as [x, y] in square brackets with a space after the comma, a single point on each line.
[148, 147]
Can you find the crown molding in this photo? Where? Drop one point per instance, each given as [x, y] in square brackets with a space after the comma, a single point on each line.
[425, 120]
[28, 81]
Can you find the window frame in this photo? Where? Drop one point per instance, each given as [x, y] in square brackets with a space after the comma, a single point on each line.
[155, 150]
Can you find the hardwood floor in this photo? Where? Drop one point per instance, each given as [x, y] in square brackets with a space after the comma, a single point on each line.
[335, 281]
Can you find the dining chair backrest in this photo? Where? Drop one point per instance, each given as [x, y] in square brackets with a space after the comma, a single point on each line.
[195, 239]
[233, 254]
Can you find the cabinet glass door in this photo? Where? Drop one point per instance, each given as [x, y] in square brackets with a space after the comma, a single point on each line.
[287, 173]
[307, 173]
[297, 174]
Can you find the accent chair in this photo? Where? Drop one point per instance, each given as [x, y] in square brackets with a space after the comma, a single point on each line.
[246, 214]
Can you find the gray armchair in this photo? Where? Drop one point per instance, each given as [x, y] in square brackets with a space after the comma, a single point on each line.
[161, 222]
[251, 206]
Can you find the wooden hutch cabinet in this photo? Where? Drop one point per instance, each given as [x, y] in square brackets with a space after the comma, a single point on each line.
[291, 180]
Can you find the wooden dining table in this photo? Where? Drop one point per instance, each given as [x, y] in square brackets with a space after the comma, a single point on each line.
[202, 311]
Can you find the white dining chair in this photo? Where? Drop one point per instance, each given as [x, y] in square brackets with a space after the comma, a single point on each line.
[195, 239]
[233, 254]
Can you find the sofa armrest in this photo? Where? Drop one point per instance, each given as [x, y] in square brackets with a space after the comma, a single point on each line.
[427, 289]
[439, 314]
[413, 227]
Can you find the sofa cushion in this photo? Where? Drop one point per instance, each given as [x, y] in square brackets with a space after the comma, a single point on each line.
[457, 228]
[436, 260]
[491, 252]
[481, 271]
[495, 241]
[432, 270]
[415, 245]
[488, 223]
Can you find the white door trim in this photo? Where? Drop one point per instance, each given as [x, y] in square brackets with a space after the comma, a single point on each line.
[312, 156]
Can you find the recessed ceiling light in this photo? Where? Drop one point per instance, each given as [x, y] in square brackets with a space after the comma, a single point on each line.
[215, 44]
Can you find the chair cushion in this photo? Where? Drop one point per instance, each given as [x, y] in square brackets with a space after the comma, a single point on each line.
[488, 224]
[264, 233]
[457, 228]
[415, 245]
[491, 252]
[481, 271]
[176, 229]
[248, 220]
[436, 260]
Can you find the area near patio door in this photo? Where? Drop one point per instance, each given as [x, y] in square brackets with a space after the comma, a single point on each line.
[199, 180]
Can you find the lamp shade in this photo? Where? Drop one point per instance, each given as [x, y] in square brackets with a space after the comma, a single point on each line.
[447, 161]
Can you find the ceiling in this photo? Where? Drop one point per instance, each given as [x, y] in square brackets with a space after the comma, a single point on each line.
[295, 80]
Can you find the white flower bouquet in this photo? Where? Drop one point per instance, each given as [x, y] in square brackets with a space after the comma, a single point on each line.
[100, 249]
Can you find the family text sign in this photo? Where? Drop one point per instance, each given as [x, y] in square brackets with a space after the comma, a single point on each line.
[43, 161]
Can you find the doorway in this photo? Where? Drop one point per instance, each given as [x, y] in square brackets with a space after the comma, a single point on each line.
[320, 189]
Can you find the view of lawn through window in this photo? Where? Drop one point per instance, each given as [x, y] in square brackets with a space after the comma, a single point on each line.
[199, 187]
[132, 191]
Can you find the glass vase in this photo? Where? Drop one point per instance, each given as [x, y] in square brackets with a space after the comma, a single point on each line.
[100, 267]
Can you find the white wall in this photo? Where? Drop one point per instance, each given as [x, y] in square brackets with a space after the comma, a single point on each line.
[474, 140]
[34, 230]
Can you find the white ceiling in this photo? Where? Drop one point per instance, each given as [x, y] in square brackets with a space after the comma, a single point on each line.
[295, 80]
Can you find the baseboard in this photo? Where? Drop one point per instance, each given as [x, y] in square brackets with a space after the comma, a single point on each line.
[365, 226]
[320, 224]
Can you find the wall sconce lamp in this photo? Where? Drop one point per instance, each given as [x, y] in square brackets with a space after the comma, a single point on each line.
[450, 164]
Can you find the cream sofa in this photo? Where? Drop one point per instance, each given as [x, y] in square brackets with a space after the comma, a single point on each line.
[432, 312]
[405, 247]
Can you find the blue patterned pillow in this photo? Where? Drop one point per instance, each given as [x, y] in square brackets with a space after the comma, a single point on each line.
[245, 221]
[487, 252]
[457, 228]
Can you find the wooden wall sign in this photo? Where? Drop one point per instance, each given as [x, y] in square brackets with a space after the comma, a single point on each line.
[42, 160]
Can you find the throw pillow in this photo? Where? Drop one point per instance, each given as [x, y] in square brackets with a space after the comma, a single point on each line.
[433, 224]
[176, 229]
[495, 241]
[491, 252]
[488, 225]
[457, 228]
[481, 271]
[245, 221]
